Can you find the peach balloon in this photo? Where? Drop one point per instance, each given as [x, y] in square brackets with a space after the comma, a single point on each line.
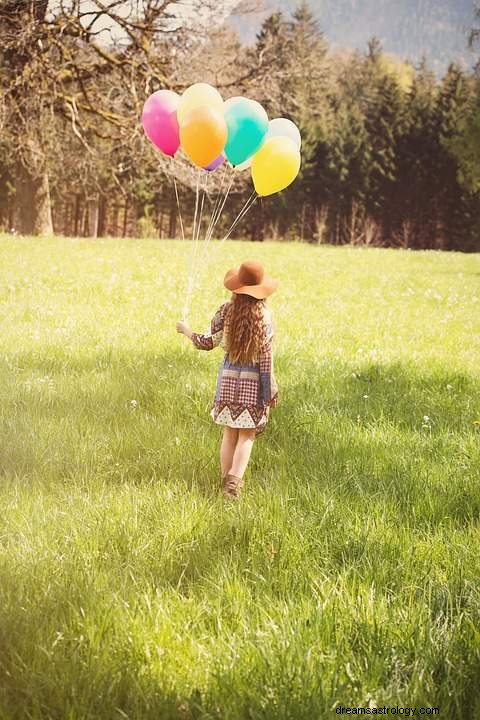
[203, 134]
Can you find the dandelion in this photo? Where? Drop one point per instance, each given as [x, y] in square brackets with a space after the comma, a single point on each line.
[426, 423]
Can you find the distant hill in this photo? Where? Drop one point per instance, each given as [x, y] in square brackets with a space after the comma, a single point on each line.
[410, 29]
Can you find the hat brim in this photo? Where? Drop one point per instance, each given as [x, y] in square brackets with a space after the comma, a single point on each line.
[260, 292]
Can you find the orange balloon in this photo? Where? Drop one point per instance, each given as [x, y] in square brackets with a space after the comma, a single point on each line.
[203, 135]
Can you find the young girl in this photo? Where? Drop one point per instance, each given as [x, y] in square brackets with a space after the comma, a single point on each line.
[246, 386]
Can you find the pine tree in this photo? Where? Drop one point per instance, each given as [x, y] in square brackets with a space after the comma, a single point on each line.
[306, 91]
[417, 151]
[454, 202]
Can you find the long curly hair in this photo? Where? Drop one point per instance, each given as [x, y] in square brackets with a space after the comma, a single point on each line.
[244, 329]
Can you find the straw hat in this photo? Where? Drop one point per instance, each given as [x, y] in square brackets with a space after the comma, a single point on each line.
[250, 279]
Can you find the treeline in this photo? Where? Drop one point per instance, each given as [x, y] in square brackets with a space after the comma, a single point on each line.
[389, 151]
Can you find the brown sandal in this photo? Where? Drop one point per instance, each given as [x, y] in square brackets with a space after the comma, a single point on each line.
[232, 486]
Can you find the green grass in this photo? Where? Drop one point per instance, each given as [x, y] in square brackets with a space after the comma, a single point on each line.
[349, 572]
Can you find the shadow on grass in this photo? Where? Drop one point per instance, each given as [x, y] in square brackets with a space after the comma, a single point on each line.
[376, 433]
[345, 440]
[396, 392]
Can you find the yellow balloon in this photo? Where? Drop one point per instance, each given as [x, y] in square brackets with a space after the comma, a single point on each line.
[203, 135]
[275, 165]
[198, 95]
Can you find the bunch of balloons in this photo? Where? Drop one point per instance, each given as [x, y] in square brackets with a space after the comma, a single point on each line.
[211, 131]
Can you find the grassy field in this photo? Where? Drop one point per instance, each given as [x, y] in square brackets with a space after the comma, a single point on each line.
[349, 573]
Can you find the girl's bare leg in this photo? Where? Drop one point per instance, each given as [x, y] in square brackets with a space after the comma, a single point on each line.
[242, 452]
[227, 449]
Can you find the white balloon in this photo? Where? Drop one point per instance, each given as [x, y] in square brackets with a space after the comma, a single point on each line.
[284, 128]
[231, 101]
[245, 165]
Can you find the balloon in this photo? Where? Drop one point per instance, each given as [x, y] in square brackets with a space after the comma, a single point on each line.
[247, 124]
[275, 165]
[216, 163]
[159, 120]
[232, 101]
[198, 95]
[284, 128]
[279, 127]
[203, 134]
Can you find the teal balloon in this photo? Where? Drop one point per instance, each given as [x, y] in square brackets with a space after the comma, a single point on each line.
[247, 125]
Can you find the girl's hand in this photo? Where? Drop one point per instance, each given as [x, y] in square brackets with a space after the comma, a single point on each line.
[183, 328]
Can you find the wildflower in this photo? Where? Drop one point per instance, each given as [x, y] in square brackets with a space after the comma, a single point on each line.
[133, 404]
[426, 423]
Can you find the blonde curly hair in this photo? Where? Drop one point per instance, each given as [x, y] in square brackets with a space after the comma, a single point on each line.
[244, 329]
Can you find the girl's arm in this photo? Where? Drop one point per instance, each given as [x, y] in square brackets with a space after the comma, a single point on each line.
[268, 384]
[183, 329]
[213, 336]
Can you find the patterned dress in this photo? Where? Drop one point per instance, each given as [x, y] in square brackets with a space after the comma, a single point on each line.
[244, 393]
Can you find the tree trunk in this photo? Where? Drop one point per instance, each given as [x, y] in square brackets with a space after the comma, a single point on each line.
[102, 216]
[94, 216]
[160, 222]
[77, 215]
[172, 229]
[85, 220]
[114, 226]
[302, 222]
[125, 218]
[33, 203]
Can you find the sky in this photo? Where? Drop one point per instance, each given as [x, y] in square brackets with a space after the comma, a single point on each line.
[409, 29]
[196, 14]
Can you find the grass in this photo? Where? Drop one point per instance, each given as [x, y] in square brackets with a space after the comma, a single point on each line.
[348, 575]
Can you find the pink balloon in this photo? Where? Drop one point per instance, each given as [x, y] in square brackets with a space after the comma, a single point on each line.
[215, 163]
[159, 120]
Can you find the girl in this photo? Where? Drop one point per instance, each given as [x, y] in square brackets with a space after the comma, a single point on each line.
[246, 386]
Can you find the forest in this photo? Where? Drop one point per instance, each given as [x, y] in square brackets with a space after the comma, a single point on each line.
[389, 156]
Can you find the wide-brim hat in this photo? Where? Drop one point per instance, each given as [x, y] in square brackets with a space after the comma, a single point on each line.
[250, 279]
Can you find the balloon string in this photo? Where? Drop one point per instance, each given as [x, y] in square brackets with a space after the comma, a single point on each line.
[196, 205]
[221, 206]
[215, 220]
[196, 252]
[177, 198]
[250, 202]
[199, 225]
[189, 288]
[217, 201]
[248, 205]
[216, 214]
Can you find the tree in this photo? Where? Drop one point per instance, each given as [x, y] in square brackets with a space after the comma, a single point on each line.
[27, 108]
[88, 64]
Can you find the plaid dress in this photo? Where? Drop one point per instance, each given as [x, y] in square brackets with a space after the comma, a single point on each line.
[244, 393]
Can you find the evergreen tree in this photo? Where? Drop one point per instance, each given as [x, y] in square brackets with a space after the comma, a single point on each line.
[453, 201]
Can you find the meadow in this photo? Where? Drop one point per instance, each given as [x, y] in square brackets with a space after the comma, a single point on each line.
[349, 572]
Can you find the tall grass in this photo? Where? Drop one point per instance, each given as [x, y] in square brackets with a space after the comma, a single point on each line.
[349, 572]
